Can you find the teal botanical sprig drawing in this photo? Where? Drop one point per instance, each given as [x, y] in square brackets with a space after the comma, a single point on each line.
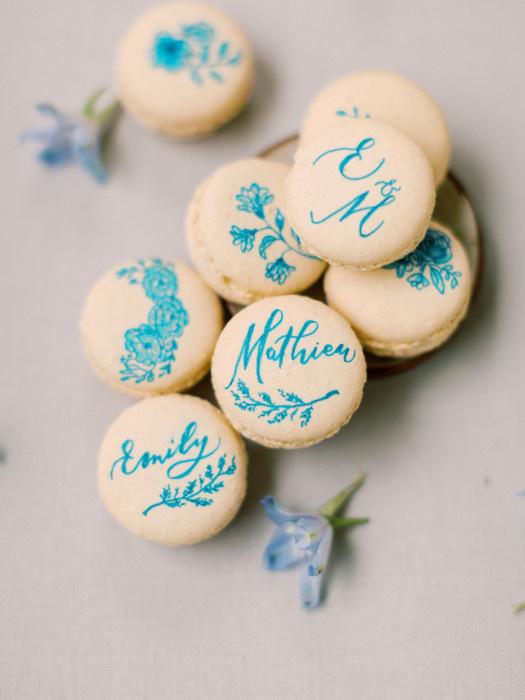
[286, 407]
[197, 492]
[353, 114]
[254, 200]
[429, 263]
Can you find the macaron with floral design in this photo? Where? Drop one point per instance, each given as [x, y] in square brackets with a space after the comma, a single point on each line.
[240, 237]
[149, 326]
[410, 306]
[361, 194]
[172, 469]
[288, 371]
[184, 69]
[389, 97]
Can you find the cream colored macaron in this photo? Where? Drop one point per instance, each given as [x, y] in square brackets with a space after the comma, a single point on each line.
[240, 238]
[361, 194]
[184, 69]
[171, 469]
[288, 371]
[150, 326]
[389, 97]
[408, 307]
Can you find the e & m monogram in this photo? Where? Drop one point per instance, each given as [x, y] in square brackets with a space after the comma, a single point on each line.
[361, 163]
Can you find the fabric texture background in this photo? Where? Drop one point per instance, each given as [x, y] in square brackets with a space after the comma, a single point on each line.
[419, 601]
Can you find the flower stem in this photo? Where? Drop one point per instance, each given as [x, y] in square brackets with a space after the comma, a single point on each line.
[339, 501]
[340, 522]
[105, 117]
[519, 607]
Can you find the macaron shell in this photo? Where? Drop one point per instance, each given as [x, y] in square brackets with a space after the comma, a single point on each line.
[390, 315]
[115, 306]
[266, 399]
[389, 97]
[333, 211]
[272, 260]
[133, 471]
[181, 101]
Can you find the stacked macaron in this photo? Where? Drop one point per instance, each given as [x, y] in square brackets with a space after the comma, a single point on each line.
[287, 370]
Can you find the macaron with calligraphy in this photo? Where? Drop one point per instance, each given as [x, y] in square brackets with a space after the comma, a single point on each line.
[171, 469]
[184, 69]
[389, 97]
[288, 371]
[408, 307]
[240, 238]
[361, 194]
[149, 326]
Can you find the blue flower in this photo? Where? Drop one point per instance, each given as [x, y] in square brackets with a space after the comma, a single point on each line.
[254, 199]
[299, 539]
[279, 270]
[144, 343]
[201, 31]
[159, 282]
[243, 237]
[169, 317]
[305, 539]
[169, 52]
[73, 140]
[435, 246]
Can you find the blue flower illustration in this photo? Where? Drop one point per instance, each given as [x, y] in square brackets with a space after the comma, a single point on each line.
[201, 31]
[151, 347]
[169, 317]
[306, 539]
[279, 270]
[196, 51]
[159, 282]
[144, 343]
[433, 257]
[243, 237]
[75, 140]
[169, 52]
[436, 247]
[253, 199]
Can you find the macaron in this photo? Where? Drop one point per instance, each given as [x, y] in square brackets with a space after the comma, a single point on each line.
[149, 326]
[389, 97]
[410, 306]
[171, 469]
[184, 69]
[361, 194]
[240, 238]
[288, 371]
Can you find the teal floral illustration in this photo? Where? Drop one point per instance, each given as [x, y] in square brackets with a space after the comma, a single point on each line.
[197, 492]
[196, 50]
[429, 264]
[286, 407]
[353, 114]
[151, 346]
[254, 200]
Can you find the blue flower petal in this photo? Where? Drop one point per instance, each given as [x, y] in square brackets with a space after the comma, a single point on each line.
[56, 155]
[277, 513]
[50, 111]
[313, 573]
[282, 550]
[91, 162]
